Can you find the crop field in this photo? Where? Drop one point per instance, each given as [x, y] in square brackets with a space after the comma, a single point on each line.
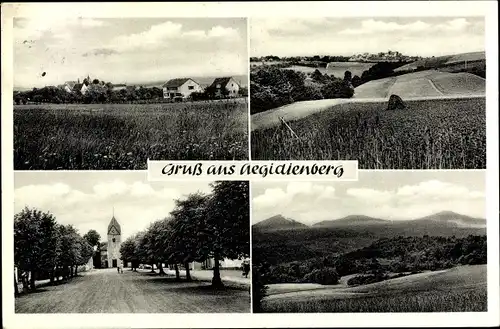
[124, 136]
[429, 134]
[336, 69]
[428, 83]
[356, 68]
[460, 289]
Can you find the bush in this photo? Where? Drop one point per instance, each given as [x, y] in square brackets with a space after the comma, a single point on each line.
[337, 89]
[325, 276]
[366, 279]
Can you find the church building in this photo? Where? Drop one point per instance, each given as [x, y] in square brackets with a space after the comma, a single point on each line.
[114, 243]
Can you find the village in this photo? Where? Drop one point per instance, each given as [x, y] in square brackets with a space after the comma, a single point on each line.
[92, 90]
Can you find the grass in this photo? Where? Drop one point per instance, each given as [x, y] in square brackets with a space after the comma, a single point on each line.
[418, 84]
[433, 134]
[112, 136]
[430, 301]
[459, 289]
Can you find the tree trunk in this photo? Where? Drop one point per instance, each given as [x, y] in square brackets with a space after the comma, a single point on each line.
[216, 280]
[24, 279]
[188, 273]
[152, 267]
[16, 289]
[177, 274]
[32, 281]
[71, 271]
[161, 271]
[76, 270]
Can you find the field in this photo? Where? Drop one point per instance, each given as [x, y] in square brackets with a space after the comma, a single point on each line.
[430, 134]
[124, 136]
[460, 289]
[336, 69]
[356, 68]
[444, 60]
[428, 83]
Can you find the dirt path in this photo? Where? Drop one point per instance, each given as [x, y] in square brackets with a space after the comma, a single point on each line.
[298, 110]
[106, 291]
[435, 88]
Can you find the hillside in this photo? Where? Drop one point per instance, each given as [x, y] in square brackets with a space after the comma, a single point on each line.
[457, 289]
[429, 83]
[284, 244]
[442, 61]
[351, 220]
[451, 218]
[278, 222]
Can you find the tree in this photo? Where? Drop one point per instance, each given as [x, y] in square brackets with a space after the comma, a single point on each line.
[226, 232]
[70, 251]
[317, 76]
[259, 285]
[347, 76]
[92, 237]
[35, 244]
[188, 223]
[128, 252]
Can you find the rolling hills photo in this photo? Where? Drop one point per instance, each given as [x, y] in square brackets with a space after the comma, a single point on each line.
[394, 241]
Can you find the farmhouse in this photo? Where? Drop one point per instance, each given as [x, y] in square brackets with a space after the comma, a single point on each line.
[226, 86]
[180, 88]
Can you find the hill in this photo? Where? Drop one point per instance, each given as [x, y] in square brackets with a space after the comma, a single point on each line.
[285, 242]
[458, 289]
[429, 83]
[278, 222]
[351, 220]
[451, 218]
[442, 61]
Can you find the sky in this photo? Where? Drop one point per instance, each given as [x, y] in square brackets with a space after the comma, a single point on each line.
[393, 195]
[420, 36]
[86, 199]
[126, 50]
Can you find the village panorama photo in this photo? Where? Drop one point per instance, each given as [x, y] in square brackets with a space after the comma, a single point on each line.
[95, 94]
[112, 243]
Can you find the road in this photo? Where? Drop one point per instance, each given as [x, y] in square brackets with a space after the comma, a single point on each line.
[298, 110]
[106, 291]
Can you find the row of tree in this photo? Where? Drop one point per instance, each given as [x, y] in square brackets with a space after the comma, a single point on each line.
[44, 249]
[201, 227]
[103, 93]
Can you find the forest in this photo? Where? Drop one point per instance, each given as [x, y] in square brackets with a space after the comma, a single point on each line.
[399, 254]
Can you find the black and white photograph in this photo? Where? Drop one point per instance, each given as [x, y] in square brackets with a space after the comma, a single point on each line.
[113, 243]
[390, 92]
[94, 94]
[394, 241]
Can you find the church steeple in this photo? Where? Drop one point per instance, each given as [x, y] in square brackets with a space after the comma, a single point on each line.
[114, 227]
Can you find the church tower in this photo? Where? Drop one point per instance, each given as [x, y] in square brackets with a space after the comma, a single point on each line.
[114, 242]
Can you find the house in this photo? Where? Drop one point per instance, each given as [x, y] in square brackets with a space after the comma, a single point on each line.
[180, 88]
[226, 86]
[119, 86]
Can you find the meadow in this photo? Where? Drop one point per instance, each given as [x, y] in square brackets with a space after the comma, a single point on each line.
[124, 136]
[429, 134]
[460, 289]
[429, 83]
